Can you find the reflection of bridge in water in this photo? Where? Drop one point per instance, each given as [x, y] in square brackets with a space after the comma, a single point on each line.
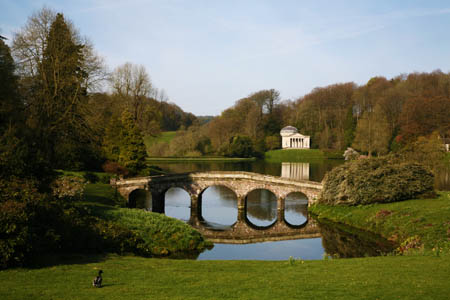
[241, 183]
[243, 232]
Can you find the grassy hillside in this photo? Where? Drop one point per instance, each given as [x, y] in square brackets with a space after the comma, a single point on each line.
[300, 155]
[410, 277]
[422, 221]
[164, 137]
[201, 158]
[158, 234]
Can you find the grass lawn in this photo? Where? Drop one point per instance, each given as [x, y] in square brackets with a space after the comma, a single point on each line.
[164, 137]
[201, 158]
[447, 157]
[429, 219]
[409, 277]
[300, 155]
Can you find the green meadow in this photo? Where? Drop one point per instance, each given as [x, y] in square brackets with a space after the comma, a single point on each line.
[127, 277]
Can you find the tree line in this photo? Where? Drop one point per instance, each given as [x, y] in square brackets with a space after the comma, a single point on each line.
[376, 118]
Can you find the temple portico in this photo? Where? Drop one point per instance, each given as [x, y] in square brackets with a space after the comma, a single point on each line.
[291, 139]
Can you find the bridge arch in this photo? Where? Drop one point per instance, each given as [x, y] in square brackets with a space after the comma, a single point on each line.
[296, 209]
[241, 183]
[220, 211]
[261, 206]
[177, 202]
[140, 198]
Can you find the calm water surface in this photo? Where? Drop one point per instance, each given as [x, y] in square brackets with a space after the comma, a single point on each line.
[219, 210]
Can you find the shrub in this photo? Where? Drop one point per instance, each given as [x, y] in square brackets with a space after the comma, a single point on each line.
[32, 223]
[29, 222]
[13, 233]
[193, 153]
[376, 180]
[105, 178]
[273, 142]
[240, 146]
[115, 168]
[156, 234]
[91, 177]
[68, 187]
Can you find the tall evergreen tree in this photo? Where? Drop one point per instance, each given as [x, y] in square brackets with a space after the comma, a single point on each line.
[17, 155]
[132, 149]
[57, 109]
[10, 105]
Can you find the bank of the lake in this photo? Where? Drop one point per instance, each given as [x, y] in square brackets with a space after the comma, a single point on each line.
[153, 234]
[420, 221]
[199, 159]
[300, 155]
[409, 277]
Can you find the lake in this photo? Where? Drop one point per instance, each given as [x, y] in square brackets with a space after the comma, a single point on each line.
[220, 212]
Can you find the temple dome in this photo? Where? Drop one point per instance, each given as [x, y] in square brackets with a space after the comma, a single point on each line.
[288, 130]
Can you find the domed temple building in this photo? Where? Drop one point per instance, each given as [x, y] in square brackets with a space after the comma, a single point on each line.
[291, 139]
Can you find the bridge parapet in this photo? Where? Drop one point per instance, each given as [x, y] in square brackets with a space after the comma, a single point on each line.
[241, 183]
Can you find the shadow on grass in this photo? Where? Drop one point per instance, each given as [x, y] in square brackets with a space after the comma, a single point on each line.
[50, 260]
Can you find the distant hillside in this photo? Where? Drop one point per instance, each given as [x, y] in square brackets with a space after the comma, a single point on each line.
[202, 120]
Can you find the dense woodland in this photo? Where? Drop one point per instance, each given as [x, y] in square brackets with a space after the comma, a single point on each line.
[376, 118]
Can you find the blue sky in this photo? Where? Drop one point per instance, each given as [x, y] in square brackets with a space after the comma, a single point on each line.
[208, 54]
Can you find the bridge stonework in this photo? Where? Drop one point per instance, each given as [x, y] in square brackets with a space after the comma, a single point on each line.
[241, 183]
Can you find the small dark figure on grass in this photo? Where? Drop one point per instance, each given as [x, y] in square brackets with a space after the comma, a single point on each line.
[97, 282]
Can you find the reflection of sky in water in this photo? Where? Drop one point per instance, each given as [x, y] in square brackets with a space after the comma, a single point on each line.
[296, 209]
[219, 205]
[178, 204]
[304, 249]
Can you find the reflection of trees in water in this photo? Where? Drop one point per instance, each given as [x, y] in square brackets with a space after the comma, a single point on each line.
[337, 242]
[219, 206]
[297, 202]
[317, 168]
[262, 205]
[442, 178]
[222, 194]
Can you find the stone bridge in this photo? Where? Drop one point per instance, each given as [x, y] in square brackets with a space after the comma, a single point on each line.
[241, 183]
